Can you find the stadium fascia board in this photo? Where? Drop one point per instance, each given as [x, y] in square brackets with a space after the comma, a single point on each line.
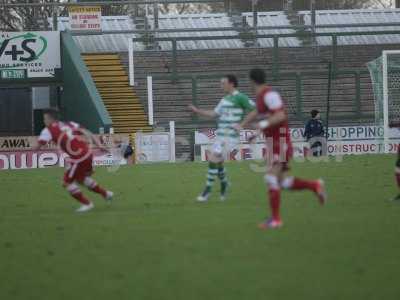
[107, 3]
[283, 75]
[270, 36]
[223, 29]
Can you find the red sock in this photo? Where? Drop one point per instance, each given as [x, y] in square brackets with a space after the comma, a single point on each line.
[275, 203]
[81, 198]
[92, 185]
[398, 178]
[300, 184]
[99, 190]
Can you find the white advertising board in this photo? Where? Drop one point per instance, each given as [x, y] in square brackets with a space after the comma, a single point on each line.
[153, 147]
[350, 140]
[37, 52]
[16, 153]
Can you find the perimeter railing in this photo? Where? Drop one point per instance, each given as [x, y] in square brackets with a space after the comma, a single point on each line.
[298, 76]
[275, 49]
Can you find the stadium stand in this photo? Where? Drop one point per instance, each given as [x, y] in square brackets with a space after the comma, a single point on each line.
[354, 17]
[302, 69]
[172, 98]
[274, 19]
[196, 21]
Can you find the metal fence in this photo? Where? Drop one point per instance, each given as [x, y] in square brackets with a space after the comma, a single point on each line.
[296, 105]
[355, 75]
[276, 48]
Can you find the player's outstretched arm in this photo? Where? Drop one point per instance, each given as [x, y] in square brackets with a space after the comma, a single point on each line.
[202, 112]
[36, 145]
[94, 139]
[44, 138]
[250, 118]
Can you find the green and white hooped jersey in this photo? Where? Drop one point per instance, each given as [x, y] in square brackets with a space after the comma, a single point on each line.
[231, 111]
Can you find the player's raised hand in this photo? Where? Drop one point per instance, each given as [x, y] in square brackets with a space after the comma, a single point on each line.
[202, 112]
[193, 108]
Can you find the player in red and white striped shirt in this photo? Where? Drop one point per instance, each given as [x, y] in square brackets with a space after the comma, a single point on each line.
[73, 140]
[274, 126]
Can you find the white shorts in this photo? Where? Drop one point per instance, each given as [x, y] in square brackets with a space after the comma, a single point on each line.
[222, 148]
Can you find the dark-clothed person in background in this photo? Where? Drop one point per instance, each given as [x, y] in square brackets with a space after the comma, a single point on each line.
[315, 129]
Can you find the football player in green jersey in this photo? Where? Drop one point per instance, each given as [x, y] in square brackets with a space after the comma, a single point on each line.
[230, 111]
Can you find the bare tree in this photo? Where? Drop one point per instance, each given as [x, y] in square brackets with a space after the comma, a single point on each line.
[382, 3]
[189, 8]
[111, 10]
[245, 5]
[25, 17]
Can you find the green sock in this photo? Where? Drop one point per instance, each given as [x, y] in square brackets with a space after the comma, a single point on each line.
[223, 179]
[212, 173]
[222, 175]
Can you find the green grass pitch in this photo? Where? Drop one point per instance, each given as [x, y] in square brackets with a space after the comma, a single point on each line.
[155, 242]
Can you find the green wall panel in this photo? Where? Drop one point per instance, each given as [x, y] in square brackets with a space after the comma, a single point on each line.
[80, 100]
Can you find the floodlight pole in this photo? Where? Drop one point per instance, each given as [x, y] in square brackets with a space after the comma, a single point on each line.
[313, 26]
[255, 13]
[288, 5]
[228, 7]
[328, 98]
[54, 17]
[55, 20]
[155, 12]
[313, 15]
